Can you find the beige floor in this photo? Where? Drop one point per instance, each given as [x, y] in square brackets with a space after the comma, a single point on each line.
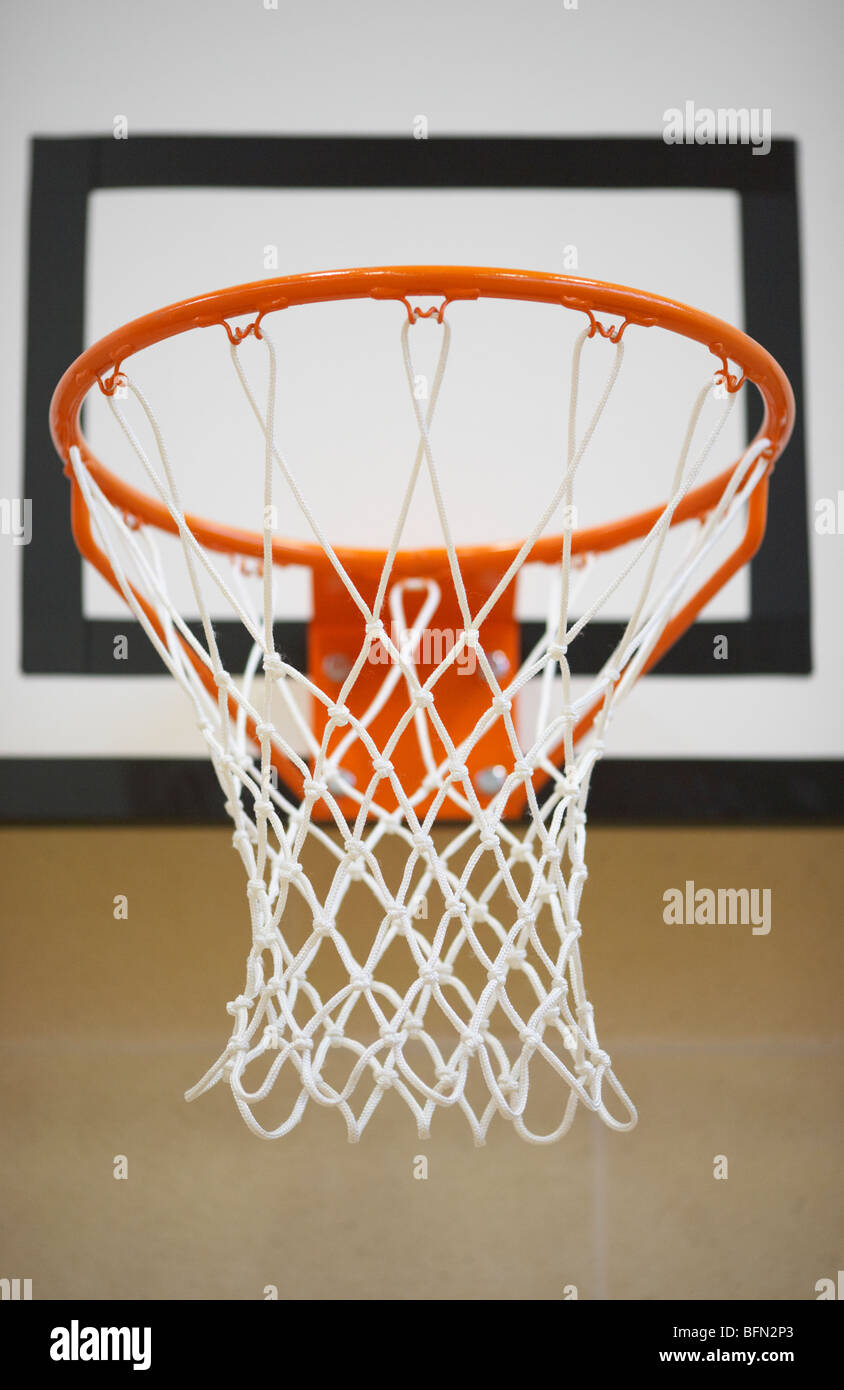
[728, 1043]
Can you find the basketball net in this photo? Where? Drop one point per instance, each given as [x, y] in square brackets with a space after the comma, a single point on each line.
[453, 980]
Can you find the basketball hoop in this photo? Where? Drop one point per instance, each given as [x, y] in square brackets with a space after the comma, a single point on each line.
[486, 815]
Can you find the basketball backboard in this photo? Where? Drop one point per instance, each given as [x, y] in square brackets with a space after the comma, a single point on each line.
[117, 226]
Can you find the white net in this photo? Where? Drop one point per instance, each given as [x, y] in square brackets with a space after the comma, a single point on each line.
[435, 952]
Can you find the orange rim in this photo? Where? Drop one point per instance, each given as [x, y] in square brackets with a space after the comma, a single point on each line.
[100, 365]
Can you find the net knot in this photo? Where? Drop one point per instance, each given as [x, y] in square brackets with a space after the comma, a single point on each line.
[497, 975]
[488, 838]
[374, 628]
[264, 940]
[588, 1071]
[334, 1033]
[338, 715]
[385, 1079]
[274, 985]
[523, 769]
[303, 1044]
[529, 1037]
[501, 705]
[234, 764]
[478, 913]
[263, 806]
[456, 767]
[273, 665]
[264, 730]
[241, 840]
[287, 872]
[472, 638]
[433, 972]
[361, 981]
[255, 886]
[356, 870]
[323, 926]
[243, 1001]
[355, 849]
[424, 700]
[383, 766]
[223, 681]
[422, 843]
[612, 675]
[272, 1037]
[391, 1037]
[396, 916]
[470, 1042]
[314, 787]
[557, 651]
